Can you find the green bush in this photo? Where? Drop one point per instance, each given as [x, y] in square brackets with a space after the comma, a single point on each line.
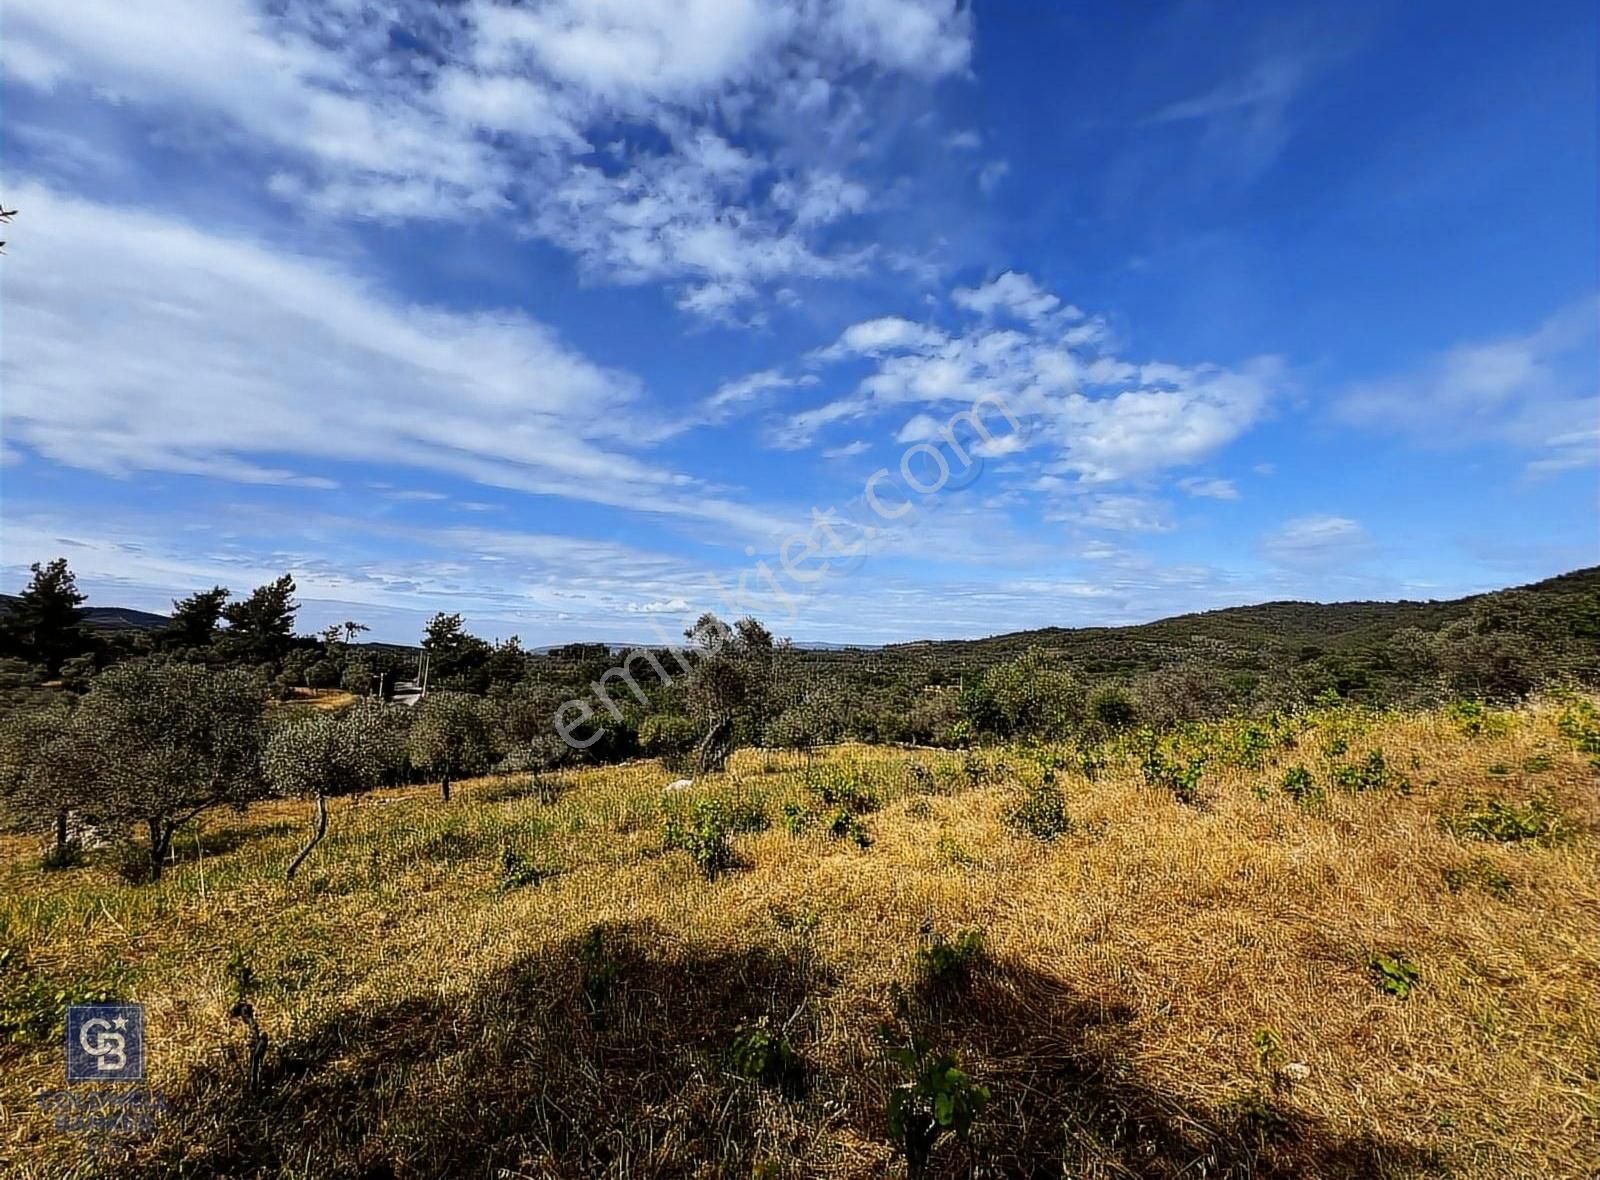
[1482, 874]
[671, 737]
[1374, 774]
[704, 836]
[845, 825]
[1113, 709]
[1300, 786]
[936, 1098]
[944, 963]
[842, 788]
[1506, 822]
[1042, 813]
[762, 1055]
[598, 969]
[1164, 770]
[1580, 724]
[1475, 719]
[1394, 974]
[33, 1007]
[797, 819]
[517, 871]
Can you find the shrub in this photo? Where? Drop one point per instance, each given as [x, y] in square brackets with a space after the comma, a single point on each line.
[843, 789]
[952, 852]
[765, 1056]
[945, 963]
[33, 1008]
[796, 819]
[517, 871]
[745, 816]
[323, 674]
[671, 737]
[1394, 974]
[1160, 769]
[1300, 786]
[845, 825]
[704, 837]
[1251, 746]
[1479, 872]
[1475, 719]
[358, 680]
[1507, 823]
[936, 1098]
[1371, 775]
[1580, 724]
[1042, 813]
[1113, 709]
[598, 969]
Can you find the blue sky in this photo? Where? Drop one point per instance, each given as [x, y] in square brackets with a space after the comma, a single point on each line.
[578, 316]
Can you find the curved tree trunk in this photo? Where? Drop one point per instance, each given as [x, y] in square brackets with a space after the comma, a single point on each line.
[716, 746]
[317, 833]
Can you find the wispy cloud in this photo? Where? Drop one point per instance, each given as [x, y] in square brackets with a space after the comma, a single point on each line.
[1538, 393]
[252, 358]
[1317, 542]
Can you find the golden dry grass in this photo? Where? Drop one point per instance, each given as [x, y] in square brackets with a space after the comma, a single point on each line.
[427, 1021]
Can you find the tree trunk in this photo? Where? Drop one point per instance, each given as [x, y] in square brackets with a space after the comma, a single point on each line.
[318, 831]
[716, 746]
[444, 786]
[160, 841]
[61, 836]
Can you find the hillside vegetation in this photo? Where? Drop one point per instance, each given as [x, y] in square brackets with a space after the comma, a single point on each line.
[1345, 943]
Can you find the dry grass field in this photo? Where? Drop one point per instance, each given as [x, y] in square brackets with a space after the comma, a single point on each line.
[1187, 981]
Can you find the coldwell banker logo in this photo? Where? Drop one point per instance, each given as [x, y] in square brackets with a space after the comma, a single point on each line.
[105, 1043]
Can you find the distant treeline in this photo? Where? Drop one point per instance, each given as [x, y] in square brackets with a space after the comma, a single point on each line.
[1052, 682]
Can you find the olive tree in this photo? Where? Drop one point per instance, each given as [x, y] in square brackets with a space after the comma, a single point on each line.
[160, 743]
[729, 686]
[319, 756]
[813, 720]
[42, 774]
[453, 734]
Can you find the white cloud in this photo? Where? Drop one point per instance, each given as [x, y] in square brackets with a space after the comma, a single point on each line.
[991, 174]
[601, 125]
[1536, 393]
[1107, 418]
[1112, 513]
[1210, 488]
[135, 342]
[848, 451]
[1317, 542]
[749, 387]
[883, 335]
[673, 606]
[1015, 293]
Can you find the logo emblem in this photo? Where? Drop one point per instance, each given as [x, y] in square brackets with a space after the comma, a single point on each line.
[105, 1043]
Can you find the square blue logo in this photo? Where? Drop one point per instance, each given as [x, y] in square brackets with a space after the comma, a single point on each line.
[105, 1043]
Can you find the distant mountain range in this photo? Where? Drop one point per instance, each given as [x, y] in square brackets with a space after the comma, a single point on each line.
[1330, 626]
[108, 618]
